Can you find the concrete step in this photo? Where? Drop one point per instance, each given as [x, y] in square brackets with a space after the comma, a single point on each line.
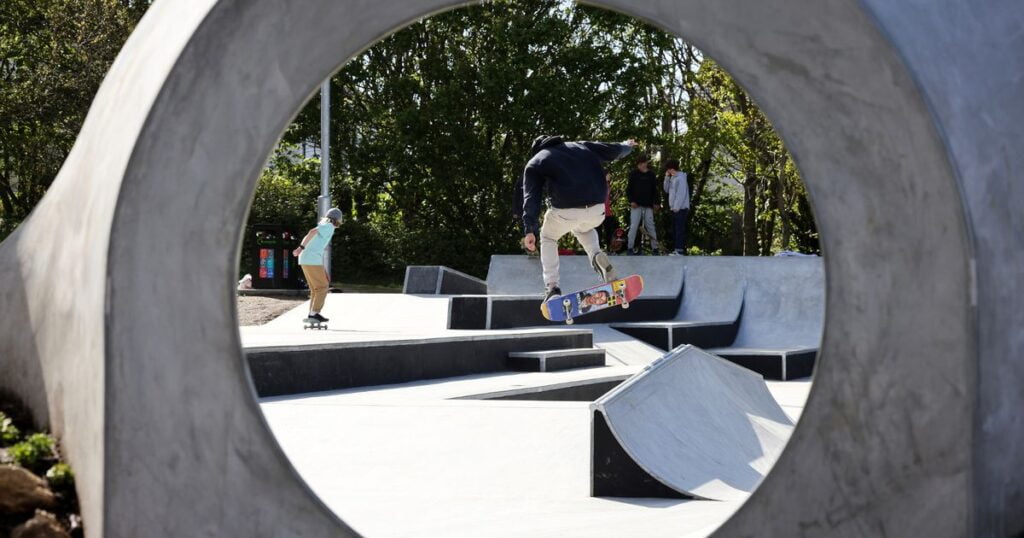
[555, 359]
[668, 335]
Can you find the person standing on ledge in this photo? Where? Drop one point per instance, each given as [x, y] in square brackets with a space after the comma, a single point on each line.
[573, 173]
[311, 259]
[642, 191]
[678, 202]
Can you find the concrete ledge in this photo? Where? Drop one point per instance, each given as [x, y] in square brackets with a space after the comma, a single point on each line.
[273, 293]
[299, 369]
[555, 359]
[507, 312]
[586, 390]
[441, 280]
[772, 363]
[668, 335]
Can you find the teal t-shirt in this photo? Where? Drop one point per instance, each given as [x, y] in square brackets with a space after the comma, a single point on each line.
[313, 254]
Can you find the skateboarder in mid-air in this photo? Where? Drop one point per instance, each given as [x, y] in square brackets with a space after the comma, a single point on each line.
[574, 175]
[311, 258]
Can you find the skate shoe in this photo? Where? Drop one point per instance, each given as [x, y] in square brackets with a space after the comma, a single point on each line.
[552, 291]
[319, 318]
[604, 267]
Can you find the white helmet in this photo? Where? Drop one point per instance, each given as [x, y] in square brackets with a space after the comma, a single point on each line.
[333, 213]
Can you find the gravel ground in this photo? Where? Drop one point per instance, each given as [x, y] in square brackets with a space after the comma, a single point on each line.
[254, 310]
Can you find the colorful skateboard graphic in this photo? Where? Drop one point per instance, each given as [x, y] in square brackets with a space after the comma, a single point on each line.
[576, 304]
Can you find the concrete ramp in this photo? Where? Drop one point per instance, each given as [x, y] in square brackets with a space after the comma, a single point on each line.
[709, 311]
[691, 424]
[521, 275]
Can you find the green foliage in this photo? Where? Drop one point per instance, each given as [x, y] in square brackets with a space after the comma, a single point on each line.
[9, 433]
[431, 127]
[286, 194]
[60, 477]
[33, 451]
[53, 56]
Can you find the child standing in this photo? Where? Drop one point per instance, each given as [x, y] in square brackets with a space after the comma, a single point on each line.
[311, 259]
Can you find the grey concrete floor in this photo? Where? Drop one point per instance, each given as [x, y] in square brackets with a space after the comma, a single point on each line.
[408, 460]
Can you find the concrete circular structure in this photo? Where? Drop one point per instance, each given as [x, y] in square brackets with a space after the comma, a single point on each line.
[905, 119]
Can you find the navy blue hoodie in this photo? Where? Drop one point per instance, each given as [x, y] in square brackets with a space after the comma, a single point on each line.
[573, 173]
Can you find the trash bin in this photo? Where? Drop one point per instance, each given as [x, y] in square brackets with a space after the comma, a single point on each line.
[276, 267]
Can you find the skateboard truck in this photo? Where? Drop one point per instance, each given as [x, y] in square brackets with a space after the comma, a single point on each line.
[567, 308]
[310, 323]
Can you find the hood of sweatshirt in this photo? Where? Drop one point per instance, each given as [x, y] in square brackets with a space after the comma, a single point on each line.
[544, 142]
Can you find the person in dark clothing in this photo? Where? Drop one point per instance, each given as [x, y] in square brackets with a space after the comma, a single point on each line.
[610, 222]
[574, 176]
[642, 191]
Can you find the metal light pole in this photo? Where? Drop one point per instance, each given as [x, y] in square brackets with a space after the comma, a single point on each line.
[324, 201]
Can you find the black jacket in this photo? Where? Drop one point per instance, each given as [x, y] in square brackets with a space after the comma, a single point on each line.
[642, 188]
[573, 173]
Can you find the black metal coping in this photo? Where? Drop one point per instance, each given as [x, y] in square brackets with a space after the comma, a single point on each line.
[299, 369]
[613, 473]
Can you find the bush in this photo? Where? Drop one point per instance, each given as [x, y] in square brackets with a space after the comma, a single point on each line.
[33, 451]
[9, 433]
[61, 477]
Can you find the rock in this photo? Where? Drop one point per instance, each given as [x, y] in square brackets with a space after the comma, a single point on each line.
[43, 525]
[21, 491]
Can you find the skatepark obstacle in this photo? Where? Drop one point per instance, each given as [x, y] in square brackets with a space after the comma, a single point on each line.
[693, 422]
[904, 118]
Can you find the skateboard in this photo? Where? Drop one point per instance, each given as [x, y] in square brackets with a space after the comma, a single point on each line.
[573, 305]
[310, 323]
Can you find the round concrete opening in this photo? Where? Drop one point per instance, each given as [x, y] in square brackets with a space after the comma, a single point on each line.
[144, 374]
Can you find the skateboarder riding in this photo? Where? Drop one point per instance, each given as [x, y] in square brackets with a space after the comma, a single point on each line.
[311, 259]
[574, 175]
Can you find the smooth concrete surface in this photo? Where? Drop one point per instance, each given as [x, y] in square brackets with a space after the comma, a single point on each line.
[698, 424]
[967, 59]
[451, 465]
[441, 280]
[771, 304]
[713, 288]
[374, 312]
[783, 302]
[903, 117]
[521, 275]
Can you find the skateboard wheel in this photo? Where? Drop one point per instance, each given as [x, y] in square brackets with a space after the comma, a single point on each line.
[625, 305]
[569, 321]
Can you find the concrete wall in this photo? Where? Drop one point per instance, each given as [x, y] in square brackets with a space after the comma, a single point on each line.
[908, 145]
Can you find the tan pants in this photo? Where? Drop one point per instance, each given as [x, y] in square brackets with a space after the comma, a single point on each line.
[558, 222]
[316, 277]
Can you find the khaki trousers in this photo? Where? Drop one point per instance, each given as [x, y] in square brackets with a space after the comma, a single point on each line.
[558, 222]
[316, 277]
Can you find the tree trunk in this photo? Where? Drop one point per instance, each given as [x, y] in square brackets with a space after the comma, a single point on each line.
[750, 216]
[780, 201]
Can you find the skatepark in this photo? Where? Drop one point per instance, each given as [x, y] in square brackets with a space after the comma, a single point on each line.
[548, 429]
[904, 120]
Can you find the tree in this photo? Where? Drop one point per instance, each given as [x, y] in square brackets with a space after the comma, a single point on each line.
[53, 56]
